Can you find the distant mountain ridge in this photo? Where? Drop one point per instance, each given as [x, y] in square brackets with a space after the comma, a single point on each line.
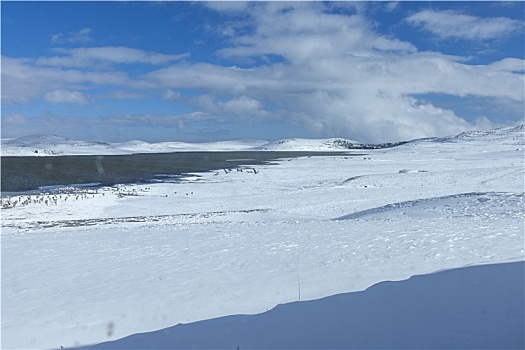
[47, 144]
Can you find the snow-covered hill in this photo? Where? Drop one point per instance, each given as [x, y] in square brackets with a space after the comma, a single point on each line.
[299, 144]
[52, 145]
[506, 134]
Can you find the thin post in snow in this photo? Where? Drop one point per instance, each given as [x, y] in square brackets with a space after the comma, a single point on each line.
[299, 287]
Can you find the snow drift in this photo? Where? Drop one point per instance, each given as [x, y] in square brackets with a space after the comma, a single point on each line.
[479, 307]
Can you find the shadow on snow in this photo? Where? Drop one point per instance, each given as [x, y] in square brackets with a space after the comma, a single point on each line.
[472, 307]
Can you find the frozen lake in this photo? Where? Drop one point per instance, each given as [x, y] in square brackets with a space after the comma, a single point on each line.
[29, 173]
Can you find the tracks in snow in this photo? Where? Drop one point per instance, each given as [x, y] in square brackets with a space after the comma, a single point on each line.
[170, 218]
[471, 204]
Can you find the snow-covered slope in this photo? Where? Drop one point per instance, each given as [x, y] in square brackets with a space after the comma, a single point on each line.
[456, 309]
[51, 145]
[509, 134]
[298, 144]
[86, 265]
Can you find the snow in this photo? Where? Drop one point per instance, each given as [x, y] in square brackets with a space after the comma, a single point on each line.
[52, 145]
[479, 307]
[99, 264]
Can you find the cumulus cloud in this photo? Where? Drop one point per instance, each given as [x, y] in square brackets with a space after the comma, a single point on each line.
[455, 25]
[243, 107]
[64, 96]
[304, 32]
[509, 65]
[23, 80]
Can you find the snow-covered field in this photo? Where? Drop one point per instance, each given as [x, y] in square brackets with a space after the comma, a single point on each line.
[86, 266]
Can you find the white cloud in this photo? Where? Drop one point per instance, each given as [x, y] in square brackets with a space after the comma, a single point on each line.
[227, 6]
[303, 32]
[79, 37]
[391, 6]
[243, 107]
[455, 25]
[26, 79]
[124, 95]
[89, 56]
[509, 64]
[64, 96]
[23, 80]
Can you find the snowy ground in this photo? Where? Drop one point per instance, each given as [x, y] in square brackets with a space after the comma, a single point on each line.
[90, 265]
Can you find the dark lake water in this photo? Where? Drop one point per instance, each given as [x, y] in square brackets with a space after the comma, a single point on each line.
[31, 173]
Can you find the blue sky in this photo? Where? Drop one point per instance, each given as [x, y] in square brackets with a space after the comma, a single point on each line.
[206, 71]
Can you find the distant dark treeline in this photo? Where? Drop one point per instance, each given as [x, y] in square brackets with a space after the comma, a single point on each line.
[30, 173]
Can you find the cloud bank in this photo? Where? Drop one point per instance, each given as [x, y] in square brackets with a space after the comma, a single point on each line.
[317, 66]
